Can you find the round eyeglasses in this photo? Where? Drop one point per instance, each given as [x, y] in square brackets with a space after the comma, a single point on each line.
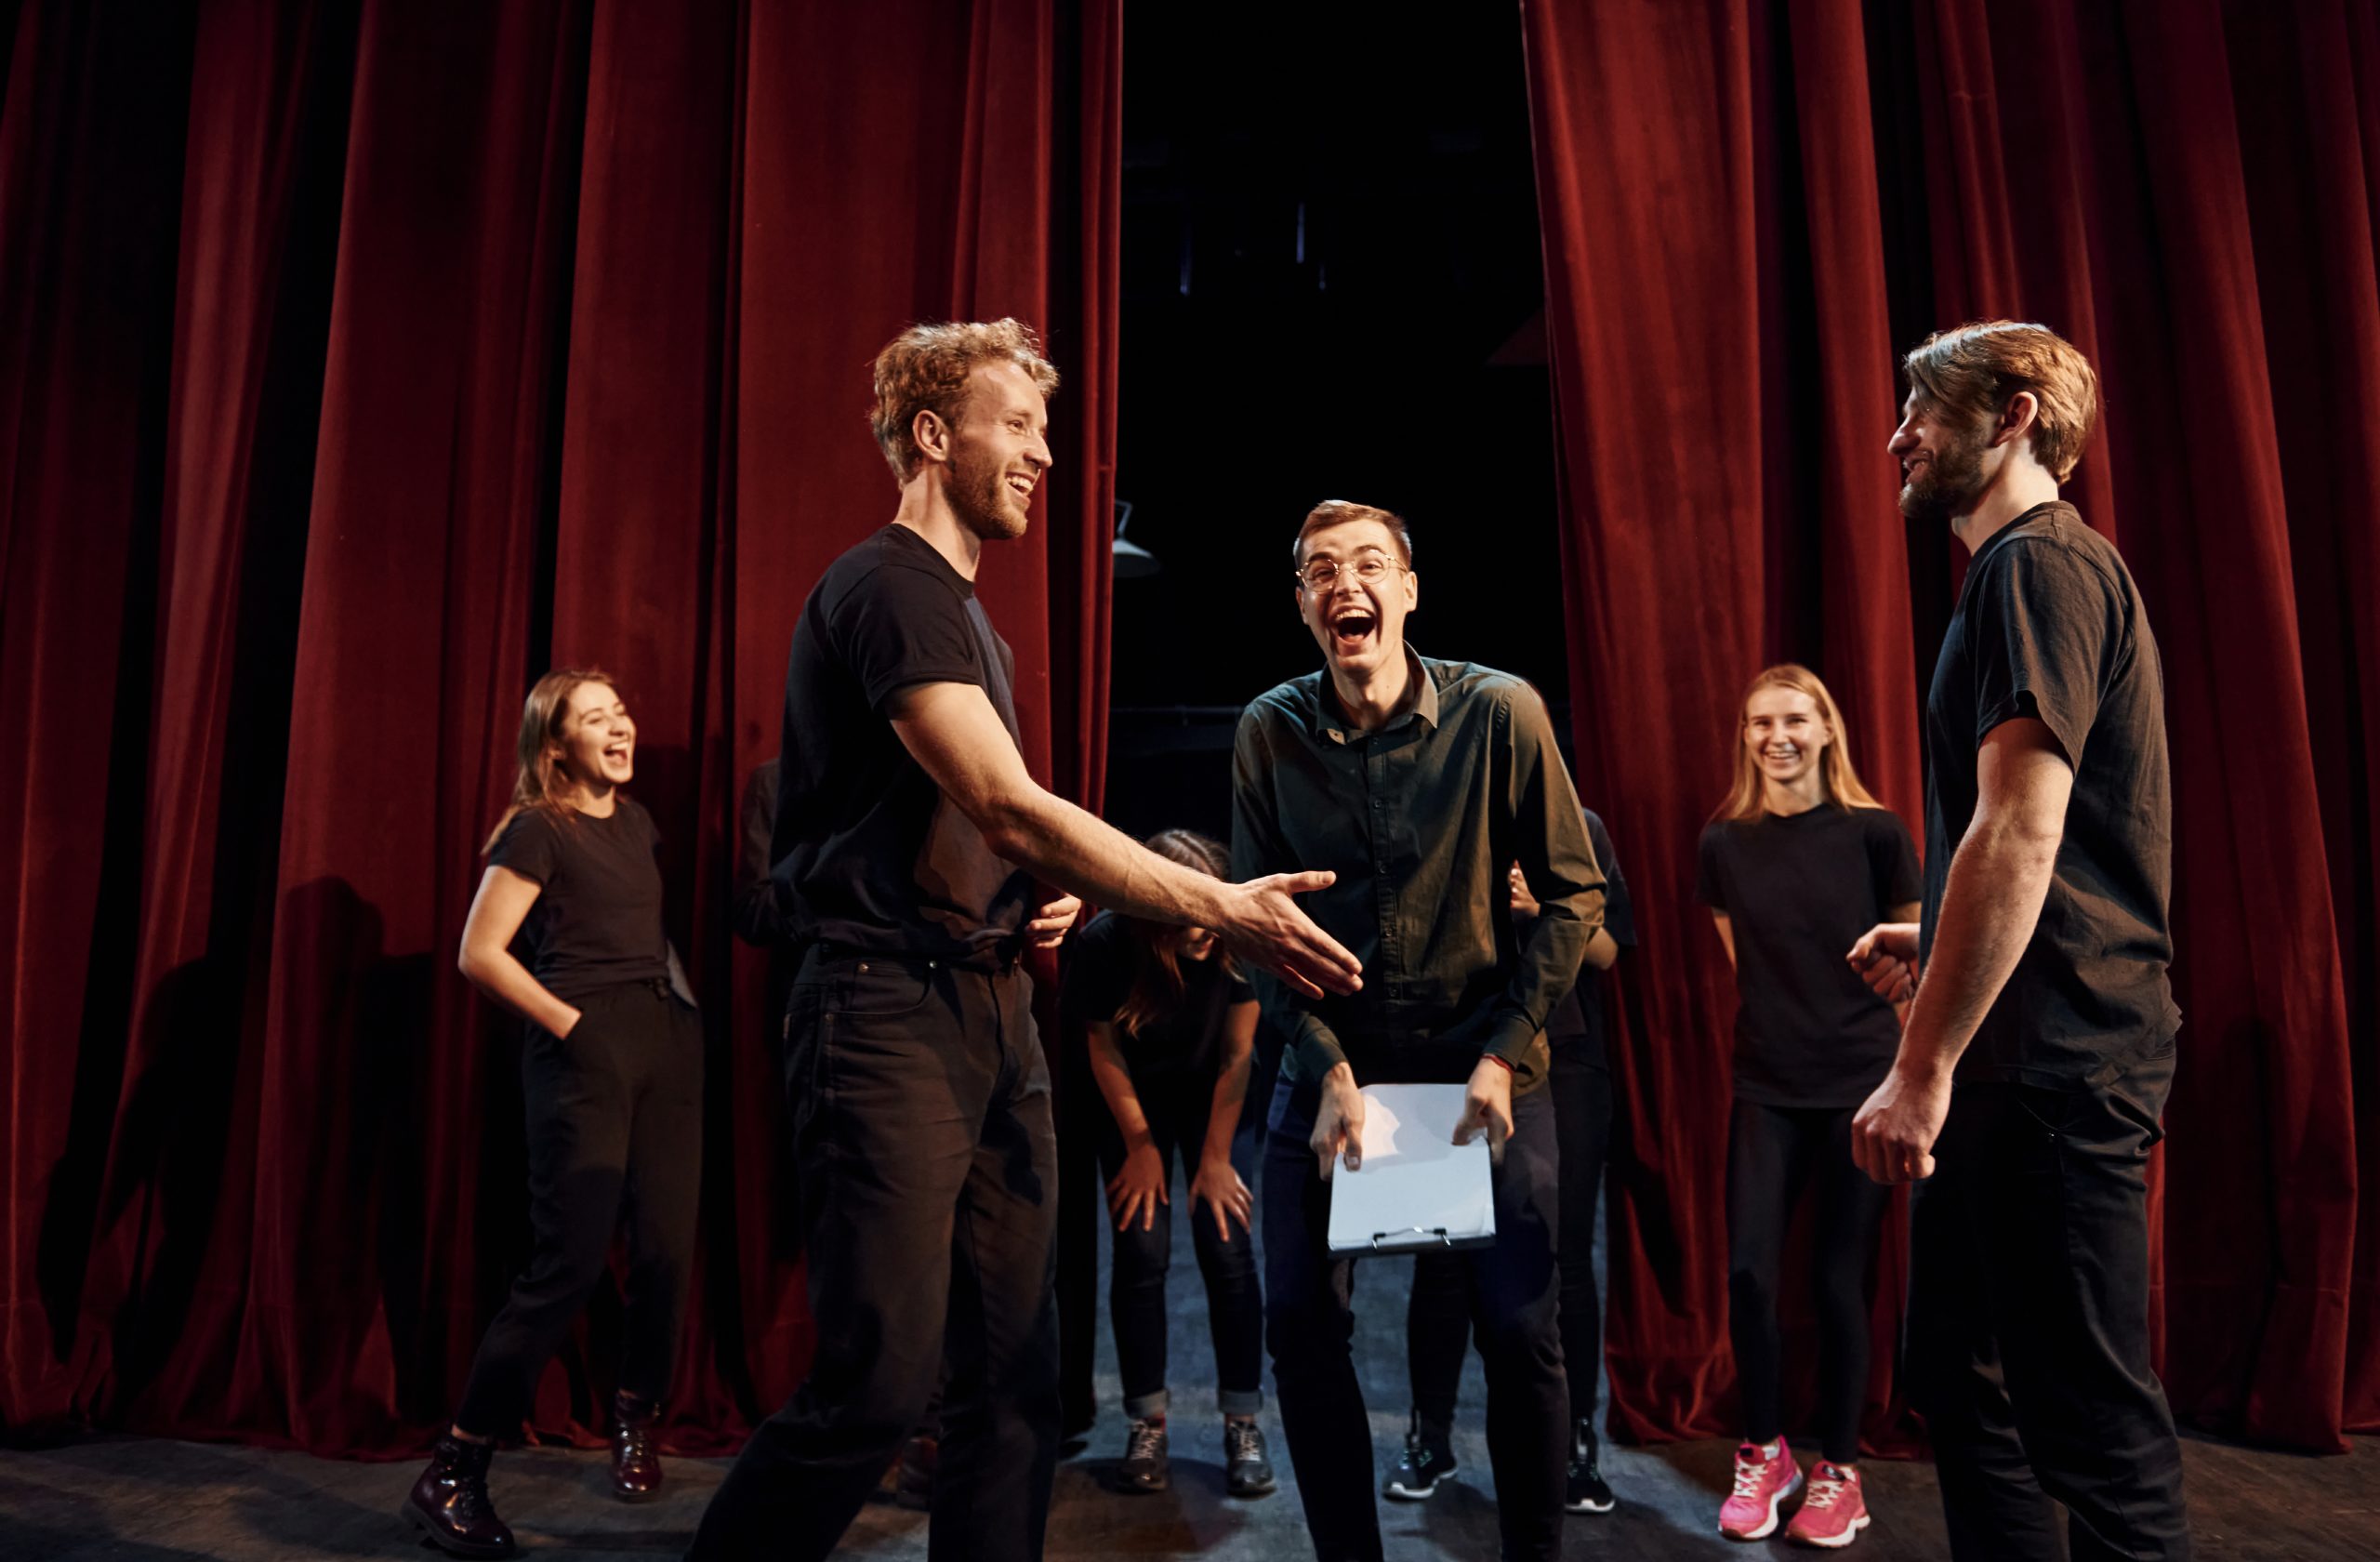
[1370, 570]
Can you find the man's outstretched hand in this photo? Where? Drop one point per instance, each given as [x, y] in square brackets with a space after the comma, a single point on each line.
[1885, 957]
[1263, 925]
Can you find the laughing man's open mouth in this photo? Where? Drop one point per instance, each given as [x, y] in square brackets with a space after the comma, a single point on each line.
[1349, 628]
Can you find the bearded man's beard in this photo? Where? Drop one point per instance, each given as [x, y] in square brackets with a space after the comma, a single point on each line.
[983, 502]
[1948, 485]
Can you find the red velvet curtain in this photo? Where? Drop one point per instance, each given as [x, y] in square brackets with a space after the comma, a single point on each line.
[1749, 209]
[358, 364]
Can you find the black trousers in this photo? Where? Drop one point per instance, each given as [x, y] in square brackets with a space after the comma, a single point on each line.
[1437, 1318]
[1176, 1109]
[2028, 1347]
[921, 1122]
[616, 1122]
[1773, 1154]
[1514, 1290]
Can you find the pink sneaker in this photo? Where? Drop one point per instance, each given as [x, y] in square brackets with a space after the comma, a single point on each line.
[1834, 1513]
[1765, 1483]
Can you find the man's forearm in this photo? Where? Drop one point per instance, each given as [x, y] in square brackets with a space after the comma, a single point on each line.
[1078, 852]
[1998, 880]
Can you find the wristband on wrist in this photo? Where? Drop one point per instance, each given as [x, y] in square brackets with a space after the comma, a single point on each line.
[1504, 1063]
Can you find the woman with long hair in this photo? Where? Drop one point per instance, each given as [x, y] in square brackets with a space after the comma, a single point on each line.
[1796, 864]
[1172, 1029]
[611, 1075]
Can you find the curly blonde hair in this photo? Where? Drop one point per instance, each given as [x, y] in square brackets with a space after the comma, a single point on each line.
[925, 370]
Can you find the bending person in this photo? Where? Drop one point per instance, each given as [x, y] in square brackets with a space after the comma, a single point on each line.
[1172, 1031]
[1799, 860]
[611, 1078]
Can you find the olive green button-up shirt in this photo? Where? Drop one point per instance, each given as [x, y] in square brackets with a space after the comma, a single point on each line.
[1419, 821]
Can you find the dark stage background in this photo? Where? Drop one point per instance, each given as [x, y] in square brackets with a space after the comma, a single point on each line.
[359, 361]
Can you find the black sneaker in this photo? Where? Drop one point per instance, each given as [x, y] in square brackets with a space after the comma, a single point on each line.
[1146, 1466]
[1428, 1460]
[1589, 1493]
[1246, 1473]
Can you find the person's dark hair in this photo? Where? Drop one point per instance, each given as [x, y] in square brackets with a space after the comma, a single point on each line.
[1156, 969]
[1338, 512]
[1977, 369]
[539, 782]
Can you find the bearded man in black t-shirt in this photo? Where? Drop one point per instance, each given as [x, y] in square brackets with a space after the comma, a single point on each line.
[2037, 1054]
[908, 838]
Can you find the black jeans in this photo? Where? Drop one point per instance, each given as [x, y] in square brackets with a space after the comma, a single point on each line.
[615, 1121]
[1437, 1318]
[2028, 1323]
[1515, 1291]
[921, 1121]
[1774, 1153]
[1177, 1108]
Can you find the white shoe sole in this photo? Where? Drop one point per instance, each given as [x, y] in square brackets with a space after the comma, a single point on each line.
[1776, 1507]
[1404, 1493]
[1591, 1507]
[1835, 1544]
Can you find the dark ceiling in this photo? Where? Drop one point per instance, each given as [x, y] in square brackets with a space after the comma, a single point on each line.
[1329, 231]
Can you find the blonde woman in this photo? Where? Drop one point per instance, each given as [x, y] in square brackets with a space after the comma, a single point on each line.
[1797, 864]
[611, 1076]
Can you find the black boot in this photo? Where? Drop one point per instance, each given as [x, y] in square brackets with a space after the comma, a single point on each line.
[636, 1463]
[1589, 1491]
[450, 1506]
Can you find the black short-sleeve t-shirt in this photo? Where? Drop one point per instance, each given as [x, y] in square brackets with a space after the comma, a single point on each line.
[1798, 890]
[596, 922]
[868, 852]
[1576, 1030]
[1183, 1041]
[2050, 626]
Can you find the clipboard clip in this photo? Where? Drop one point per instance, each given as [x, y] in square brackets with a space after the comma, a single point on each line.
[1437, 1231]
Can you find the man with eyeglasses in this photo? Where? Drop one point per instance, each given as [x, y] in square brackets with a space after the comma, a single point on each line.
[1418, 783]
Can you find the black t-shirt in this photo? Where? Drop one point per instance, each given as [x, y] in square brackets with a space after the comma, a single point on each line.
[2050, 626]
[1576, 1030]
[1183, 1040]
[1798, 890]
[869, 854]
[597, 921]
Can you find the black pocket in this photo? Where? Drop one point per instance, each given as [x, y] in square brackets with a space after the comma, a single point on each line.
[883, 989]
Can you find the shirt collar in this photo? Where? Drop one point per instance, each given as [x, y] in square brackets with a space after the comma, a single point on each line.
[1328, 723]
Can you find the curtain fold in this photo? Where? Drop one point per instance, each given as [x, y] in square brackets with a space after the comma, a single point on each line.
[2183, 190]
[363, 360]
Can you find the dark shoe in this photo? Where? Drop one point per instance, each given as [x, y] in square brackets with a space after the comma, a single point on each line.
[1147, 1467]
[1589, 1491]
[1246, 1473]
[636, 1463]
[1429, 1459]
[913, 1483]
[449, 1503]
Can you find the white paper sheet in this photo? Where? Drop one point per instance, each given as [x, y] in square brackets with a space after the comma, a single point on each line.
[1417, 1188]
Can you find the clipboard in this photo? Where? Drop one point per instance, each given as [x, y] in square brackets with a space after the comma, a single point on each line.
[1417, 1190]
